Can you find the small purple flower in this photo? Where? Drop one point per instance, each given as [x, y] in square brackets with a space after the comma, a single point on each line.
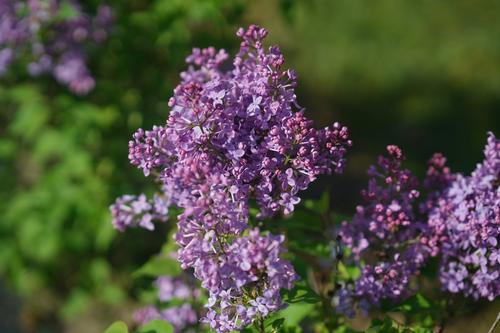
[254, 107]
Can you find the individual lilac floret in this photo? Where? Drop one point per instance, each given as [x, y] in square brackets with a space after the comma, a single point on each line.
[54, 44]
[384, 237]
[467, 219]
[137, 211]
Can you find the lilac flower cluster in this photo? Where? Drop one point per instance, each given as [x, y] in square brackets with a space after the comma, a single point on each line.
[183, 317]
[131, 211]
[55, 33]
[437, 181]
[390, 240]
[467, 220]
[247, 283]
[234, 136]
[384, 237]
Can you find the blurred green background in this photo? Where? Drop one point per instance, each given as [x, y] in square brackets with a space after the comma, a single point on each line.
[421, 74]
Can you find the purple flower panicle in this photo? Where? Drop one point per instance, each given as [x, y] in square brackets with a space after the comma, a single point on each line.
[384, 237]
[248, 282]
[459, 220]
[467, 219]
[236, 134]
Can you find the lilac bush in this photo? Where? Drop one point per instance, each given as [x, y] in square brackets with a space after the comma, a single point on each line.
[52, 35]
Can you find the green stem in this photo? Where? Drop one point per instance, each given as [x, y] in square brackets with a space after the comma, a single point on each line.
[260, 325]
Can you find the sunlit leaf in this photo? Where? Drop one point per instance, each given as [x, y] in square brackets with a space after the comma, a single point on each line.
[117, 327]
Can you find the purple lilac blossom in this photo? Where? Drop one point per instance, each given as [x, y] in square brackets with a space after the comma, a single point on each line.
[183, 317]
[247, 284]
[56, 43]
[131, 211]
[467, 220]
[437, 180]
[178, 287]
[146, 314]
[384, 237]
[234, 136]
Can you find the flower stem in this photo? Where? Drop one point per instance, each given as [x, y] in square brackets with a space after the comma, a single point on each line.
[495, 323]
[259, 325]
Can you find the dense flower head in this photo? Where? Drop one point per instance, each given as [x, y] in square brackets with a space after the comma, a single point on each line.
[390, 239]
[249, 280]
[53, 35]
[236, 134]
[241, 125]
[467, 219]
[384, 237]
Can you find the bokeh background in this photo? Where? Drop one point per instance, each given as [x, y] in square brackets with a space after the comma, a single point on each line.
[421, 74]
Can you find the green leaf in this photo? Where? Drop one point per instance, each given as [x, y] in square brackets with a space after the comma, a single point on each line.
[117, 327]
[301, 293]
[415, 304]
[277, 323]
[157, 266]
[348, 272]
[75, 304]
[420, 329]
[66, 11]
[295, 313]
[156, 326]
[320, 206]
[382, 326]
[344, 329]
[32, 113]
